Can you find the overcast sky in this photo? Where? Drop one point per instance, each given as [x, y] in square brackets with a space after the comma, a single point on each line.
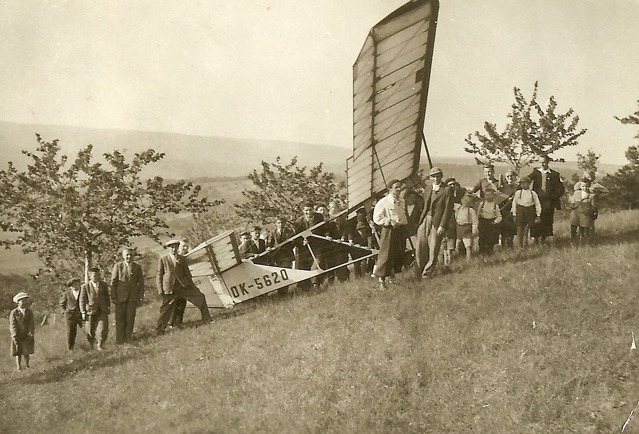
[282, 69]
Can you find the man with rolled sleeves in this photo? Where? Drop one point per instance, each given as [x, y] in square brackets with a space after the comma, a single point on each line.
[70, 305]
[127, 292]
[390, 214]
[435, 217]
[174, 281]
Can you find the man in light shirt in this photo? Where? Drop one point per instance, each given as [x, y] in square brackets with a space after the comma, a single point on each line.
[526, 209]
[390, 214]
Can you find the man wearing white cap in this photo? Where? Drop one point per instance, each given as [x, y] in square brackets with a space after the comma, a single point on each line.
[22, 328]
[437, 212]
[174, 281]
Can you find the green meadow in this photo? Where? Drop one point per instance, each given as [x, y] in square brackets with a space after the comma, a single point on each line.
[521, 342]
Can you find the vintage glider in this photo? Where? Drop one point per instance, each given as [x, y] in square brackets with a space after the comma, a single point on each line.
[390, 88]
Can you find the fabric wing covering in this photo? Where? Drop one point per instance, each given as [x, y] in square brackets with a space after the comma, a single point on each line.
[390, 88]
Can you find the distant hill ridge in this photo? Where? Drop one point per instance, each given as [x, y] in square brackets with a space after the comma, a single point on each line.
[213, 158]
[187, 156]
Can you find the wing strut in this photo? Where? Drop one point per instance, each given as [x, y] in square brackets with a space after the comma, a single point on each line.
[430, 162]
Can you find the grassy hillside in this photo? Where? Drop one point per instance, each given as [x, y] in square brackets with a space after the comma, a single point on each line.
[531, 342]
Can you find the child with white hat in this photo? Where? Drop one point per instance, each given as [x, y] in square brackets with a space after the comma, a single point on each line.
[22, 328]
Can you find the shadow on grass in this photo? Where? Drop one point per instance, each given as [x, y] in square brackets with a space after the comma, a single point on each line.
[84, 362]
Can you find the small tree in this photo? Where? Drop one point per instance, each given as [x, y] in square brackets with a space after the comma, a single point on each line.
[532, 131]
[624, 184]
[67, 213]
[588, 162]
[282, 189]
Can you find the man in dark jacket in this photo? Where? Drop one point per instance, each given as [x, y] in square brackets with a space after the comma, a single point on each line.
[127, 292]
[174, 281]
[70, 305]
[549, 186]
[437, 212]
[95, 308]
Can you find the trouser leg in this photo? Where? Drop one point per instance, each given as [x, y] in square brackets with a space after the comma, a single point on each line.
[131, 310]
[421, 247]
[177, 317]
[199, 301]
[91, 325]
[434, 244]
[72, 330]
[120, 322]
[166, 310]
[102, 329]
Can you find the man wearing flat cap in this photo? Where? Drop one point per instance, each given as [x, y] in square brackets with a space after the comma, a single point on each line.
[70, 305]
[127, 292]
[435, 217]
[390, 215]
[174, 281]
[95, 307]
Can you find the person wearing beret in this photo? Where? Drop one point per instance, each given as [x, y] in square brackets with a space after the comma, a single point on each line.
[95, 306]
[174, 281]
[127, 292]
[549, 186]
[435, 217]
[70, 306]
[22, 329]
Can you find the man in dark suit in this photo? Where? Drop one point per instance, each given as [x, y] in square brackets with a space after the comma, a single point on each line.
[549, 186]
[70, 305]
[437, 212]
[303, 258]
[283, 256]
[127, 292]
[95, 308]
[174, 281]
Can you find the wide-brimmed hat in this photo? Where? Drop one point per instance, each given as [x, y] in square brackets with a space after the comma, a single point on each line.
[172, 243]
[20, 296]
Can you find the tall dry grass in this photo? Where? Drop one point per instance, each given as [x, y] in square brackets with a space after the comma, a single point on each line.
[537, 341]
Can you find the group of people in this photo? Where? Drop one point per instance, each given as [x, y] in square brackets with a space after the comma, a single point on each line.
[430, 223]
[88, 306]
[441, 217]
[412, 228]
